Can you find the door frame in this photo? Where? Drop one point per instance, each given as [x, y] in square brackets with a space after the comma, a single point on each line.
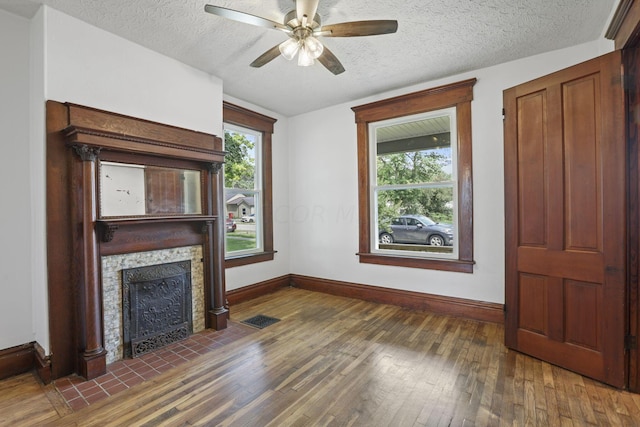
[624, 30]
[631, 63]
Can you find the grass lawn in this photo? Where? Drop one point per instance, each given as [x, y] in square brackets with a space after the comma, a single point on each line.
[240, 240]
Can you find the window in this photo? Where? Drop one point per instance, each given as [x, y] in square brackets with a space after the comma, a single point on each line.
[415, 182]
[414, 185]
[247, 182]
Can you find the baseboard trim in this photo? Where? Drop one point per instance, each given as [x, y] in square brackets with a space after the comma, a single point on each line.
[42, 363]
[253, 291]
[459, 307]
[23, 358]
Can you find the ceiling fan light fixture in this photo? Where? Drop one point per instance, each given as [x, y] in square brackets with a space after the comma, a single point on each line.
[304, 57]
[314, 47]
[289, 48]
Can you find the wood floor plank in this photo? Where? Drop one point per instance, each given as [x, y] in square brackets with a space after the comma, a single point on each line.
[24, 401]
[334, 361]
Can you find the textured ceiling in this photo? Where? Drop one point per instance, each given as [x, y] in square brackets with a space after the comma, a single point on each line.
[435, 38]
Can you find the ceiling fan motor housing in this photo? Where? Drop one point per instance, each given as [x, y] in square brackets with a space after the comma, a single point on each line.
[291, 20]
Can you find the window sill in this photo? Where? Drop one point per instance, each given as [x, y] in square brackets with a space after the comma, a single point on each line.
[239, 260]
[426, 263]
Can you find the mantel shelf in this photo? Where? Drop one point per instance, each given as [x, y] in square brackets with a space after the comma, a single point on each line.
[109, 226]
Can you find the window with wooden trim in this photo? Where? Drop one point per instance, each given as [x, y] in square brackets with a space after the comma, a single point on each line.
[415, 181]
[247, 192]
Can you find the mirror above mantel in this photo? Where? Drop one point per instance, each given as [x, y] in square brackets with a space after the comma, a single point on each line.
[131, 190]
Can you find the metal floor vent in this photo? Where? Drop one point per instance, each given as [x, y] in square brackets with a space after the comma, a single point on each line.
[260, 321]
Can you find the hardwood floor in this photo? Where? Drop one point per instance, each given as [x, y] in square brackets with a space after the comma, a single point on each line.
[343, 362]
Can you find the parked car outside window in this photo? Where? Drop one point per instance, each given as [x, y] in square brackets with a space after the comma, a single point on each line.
[248, 218]
[417, 229]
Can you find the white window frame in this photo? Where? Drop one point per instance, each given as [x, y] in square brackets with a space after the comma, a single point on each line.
[257, 192]
[375, 188]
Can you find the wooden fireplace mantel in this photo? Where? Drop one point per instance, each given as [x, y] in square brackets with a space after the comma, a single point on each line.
[108, 227]
[78, 138]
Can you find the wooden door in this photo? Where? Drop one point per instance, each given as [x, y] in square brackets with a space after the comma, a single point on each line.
[565, 212]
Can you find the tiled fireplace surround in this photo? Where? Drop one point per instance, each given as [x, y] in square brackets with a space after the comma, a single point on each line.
[112, 286]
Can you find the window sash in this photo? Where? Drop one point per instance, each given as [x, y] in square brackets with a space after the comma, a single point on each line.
[376, 189]
[421, 251]
[257, 175]
[256, 192]
[258, 229]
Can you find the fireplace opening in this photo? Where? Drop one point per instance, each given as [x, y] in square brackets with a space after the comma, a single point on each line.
[156, 306]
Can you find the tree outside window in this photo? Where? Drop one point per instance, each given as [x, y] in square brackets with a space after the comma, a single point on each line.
[242, 189]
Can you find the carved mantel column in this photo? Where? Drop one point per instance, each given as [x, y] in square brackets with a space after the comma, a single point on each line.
[92, 361]
[218, 313]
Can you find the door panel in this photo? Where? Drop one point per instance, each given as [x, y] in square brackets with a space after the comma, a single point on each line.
[582, 313]
[533, 227]
[582, 160]
[533, 301]
[565, 219]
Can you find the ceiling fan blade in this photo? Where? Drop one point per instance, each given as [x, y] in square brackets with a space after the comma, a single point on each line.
[245, 17]
[306, 7]
[359, 28]
[266, 57]
[331, 63]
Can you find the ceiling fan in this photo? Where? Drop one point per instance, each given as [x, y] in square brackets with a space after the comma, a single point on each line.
[303, 25]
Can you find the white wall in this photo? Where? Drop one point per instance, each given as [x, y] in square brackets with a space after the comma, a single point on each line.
[238, 277]
[16, 314]
[37, 158]
[324, 193]
[89, 66]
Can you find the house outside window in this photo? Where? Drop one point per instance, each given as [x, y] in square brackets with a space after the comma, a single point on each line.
[415, 181]
[247, 182]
